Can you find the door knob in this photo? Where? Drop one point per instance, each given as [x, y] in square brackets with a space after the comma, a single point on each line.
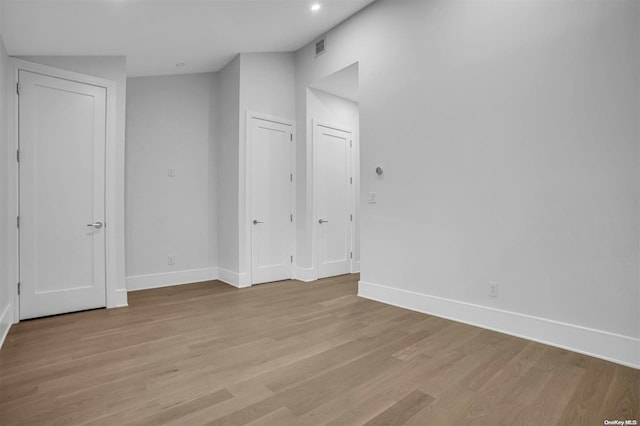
[256, 221]
[321, 221]
[96, 225]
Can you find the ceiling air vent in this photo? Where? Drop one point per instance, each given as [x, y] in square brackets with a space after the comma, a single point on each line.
[320, 47]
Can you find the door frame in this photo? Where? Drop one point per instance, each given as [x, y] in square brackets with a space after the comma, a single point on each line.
[315, 230]
[246, 215]
[114, 235]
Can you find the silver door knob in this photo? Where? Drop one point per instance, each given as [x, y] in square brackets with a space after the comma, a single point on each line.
[96, 225]
[321, 221]
[256, 221]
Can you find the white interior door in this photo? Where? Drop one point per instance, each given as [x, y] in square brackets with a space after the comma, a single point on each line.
[62, 192]
[271, 201]
[333, 199]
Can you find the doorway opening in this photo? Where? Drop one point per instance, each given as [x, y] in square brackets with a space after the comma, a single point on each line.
[333, 114]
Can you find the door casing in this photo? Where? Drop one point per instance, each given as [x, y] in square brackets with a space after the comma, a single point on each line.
[114, 208]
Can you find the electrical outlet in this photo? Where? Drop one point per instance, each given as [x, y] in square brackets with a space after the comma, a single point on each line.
[170, 260]
[493, 289]
[171, 173]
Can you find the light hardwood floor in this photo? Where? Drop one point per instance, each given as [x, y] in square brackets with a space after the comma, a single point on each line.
[291, 353]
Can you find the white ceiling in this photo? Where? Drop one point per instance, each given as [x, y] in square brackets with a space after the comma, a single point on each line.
[155, 35]
[343, 83]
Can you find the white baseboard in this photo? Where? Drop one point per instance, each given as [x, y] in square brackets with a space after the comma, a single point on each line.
[6, 320]
[236, 279]
[143, 282]
[612, 347]
[305, 274]
[121, 298]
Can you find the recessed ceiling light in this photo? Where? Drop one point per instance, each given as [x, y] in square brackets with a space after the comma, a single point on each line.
[180, 64]
[315, 7]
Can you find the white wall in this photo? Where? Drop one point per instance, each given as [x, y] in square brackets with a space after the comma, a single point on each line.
[112, 68]
[267, 86]
[169, 127]
[345, 114]
[228, 114]
[508, 132]
[7, 257]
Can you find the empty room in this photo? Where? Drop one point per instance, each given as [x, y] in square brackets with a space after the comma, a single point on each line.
[320, 212]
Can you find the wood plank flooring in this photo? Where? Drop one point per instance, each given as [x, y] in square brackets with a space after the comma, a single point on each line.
[291, 353]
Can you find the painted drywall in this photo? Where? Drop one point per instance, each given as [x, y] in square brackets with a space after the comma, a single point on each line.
[268, 83]
[345, 114]
[7, 231]
[508, 132]
[267, 86]
[112, 68]
[228, 117]
[343, 83]
[170, 158]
